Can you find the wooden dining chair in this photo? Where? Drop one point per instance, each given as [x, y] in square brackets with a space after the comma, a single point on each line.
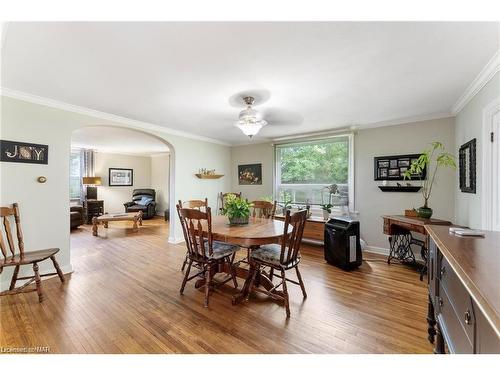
[21, 258]
[281, 258]
[198, 204]
[208, 254]
[263, 209]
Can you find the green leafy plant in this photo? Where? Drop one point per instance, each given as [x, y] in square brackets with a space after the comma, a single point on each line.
[327, 207]
[236, 207]
[286, 201]
[331, 190]
[431, 159]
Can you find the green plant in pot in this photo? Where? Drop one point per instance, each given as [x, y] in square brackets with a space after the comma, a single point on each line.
[331, 190]
[431, 159]
[286, 202]
[236, 209]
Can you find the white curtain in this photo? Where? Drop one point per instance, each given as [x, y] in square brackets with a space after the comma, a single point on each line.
[87, 165]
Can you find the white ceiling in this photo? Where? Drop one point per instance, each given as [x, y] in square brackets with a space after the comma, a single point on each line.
[117, 140]
[318, 76]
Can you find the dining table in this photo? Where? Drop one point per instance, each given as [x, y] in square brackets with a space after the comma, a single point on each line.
[258, 231]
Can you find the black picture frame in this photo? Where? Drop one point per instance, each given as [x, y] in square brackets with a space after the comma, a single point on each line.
[250, 174]
[392, 168]
[112, 179]
[467, 167]
[22, 152]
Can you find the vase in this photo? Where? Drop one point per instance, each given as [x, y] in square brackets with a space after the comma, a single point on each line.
[238, 220]
[424, 212]
[326, 214]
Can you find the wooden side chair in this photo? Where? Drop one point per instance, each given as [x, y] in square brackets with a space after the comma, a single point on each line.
[263, 209]
[222, 199]
[203, 251]
[281, 258]
[22, 258]
[198, 204]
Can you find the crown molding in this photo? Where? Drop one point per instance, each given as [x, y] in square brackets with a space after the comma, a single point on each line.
[486, 74]
[31, 98]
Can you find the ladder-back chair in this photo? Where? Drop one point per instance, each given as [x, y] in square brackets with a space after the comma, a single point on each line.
[11, 258]
[207, 254]
[199, 204]
[263, 209]
[281, 258]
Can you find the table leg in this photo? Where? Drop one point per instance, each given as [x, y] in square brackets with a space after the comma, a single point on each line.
[94, 226]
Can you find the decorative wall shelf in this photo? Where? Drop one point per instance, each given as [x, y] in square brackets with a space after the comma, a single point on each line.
[208, 176]
[403, 189]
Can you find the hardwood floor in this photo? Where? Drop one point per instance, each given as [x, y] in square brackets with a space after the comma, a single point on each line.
[123, 297]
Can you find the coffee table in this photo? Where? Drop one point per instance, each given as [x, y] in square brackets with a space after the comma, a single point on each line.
[136, 217]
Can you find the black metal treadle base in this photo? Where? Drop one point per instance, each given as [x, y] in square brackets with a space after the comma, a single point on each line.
[401, 250]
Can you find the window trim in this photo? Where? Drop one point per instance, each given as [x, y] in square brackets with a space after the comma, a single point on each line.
[350, 176]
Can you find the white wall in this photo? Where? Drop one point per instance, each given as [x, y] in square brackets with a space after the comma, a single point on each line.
[115, 196]
[369, 200]
[468, 123]
[45, 207]
[160, 180]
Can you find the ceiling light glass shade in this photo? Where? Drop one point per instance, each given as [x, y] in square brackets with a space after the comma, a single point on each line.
[250, 122]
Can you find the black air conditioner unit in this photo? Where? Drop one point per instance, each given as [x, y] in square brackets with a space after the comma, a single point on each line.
[342, 246]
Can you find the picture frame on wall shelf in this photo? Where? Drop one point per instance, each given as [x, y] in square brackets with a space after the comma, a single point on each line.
[392, 168]
[121, 177]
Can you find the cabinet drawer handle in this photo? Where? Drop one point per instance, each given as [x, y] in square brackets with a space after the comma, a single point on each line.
[467, 317]
[440, 301]
[443, 269]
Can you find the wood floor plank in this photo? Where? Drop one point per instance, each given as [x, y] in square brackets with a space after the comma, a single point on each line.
[123, 297]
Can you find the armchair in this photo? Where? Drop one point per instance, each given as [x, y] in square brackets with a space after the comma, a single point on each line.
[148, 209]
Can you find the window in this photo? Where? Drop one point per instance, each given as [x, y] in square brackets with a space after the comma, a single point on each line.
[305, 169]
[75, 175]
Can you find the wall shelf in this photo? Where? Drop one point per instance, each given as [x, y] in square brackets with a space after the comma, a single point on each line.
[403, 189]
[208, 176]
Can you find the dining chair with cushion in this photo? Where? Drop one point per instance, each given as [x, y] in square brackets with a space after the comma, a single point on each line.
[281, 257]
[263, 209]
[209, 255]
[20, 258]
[199, 204]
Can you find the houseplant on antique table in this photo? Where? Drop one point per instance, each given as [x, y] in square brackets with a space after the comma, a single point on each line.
[431, 159]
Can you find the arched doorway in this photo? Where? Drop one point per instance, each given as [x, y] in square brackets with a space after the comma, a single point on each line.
[108, 143]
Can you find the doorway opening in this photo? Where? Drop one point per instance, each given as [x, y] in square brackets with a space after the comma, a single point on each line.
[124, 174]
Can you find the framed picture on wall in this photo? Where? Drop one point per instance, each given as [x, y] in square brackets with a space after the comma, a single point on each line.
[121, 177]
[250, 174]
[21, 152]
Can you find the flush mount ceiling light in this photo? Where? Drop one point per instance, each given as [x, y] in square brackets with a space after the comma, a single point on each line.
[249, 120]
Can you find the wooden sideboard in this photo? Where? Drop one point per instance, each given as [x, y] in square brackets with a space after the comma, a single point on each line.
[464, 289]
[314, 230]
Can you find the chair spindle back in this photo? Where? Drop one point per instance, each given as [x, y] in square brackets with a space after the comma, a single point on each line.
[293, 240]
[5, 213]
[197, 237]
[263, 209]
[195, 203]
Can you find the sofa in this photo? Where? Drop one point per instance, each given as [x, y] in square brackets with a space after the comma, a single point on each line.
[75, 216]
[142, 200]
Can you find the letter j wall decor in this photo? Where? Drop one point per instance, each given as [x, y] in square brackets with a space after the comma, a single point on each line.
[20, 152]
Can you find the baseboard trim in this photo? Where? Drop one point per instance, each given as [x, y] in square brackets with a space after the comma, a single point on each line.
[377, 250]
[175, 240]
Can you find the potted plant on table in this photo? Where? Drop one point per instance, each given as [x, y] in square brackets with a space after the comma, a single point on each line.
[236, 209]
[431, 159]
